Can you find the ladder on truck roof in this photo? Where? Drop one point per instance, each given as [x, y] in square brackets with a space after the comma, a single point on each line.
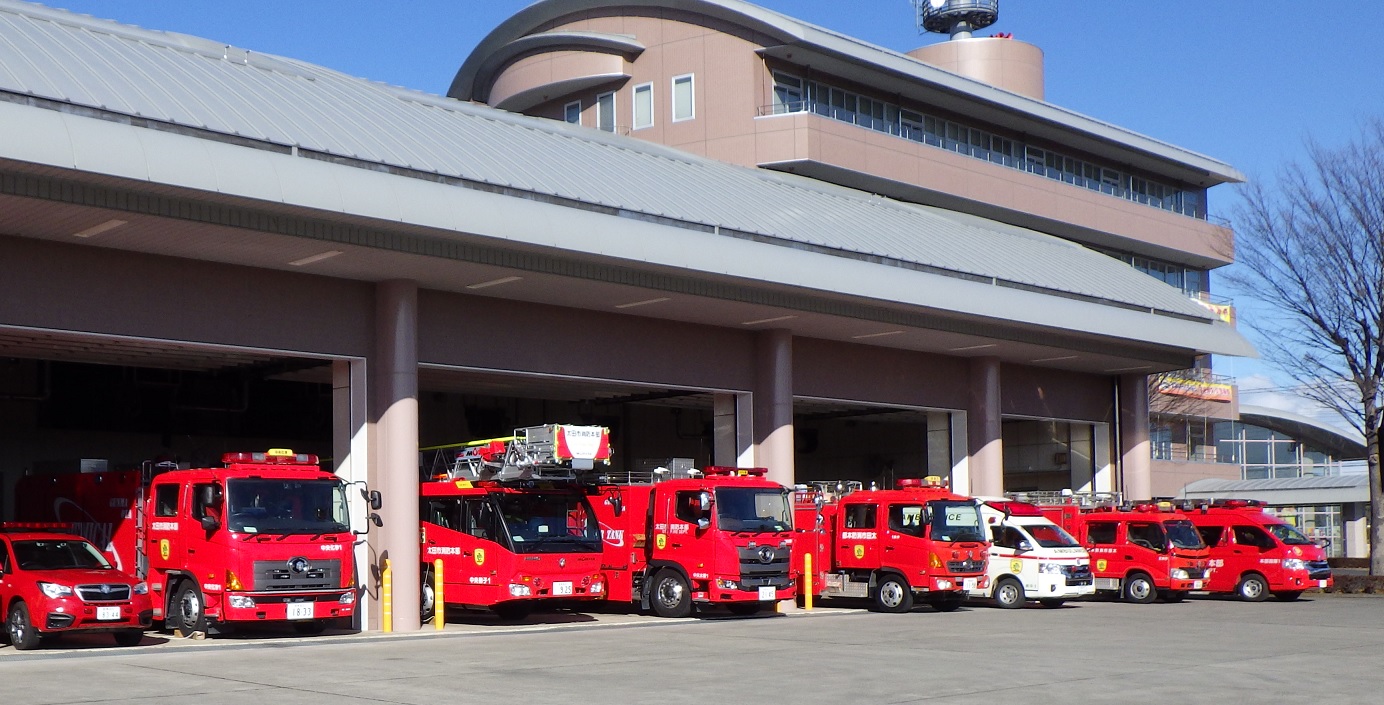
[549, 452]
[1084, 500]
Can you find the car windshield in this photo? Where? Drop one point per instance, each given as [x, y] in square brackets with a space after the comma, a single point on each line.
[955, 521]
[1182, 534]
[753, 509]
[551, 522]
[263, 506]
[1050, 536]
[58, 554]
[1289, 535]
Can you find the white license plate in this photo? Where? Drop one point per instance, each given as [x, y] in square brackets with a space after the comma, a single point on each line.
[564, 588]
[768, 593]
[1321, 583]
[1196, 584]
[300, 610]
[106, 614]
[968, 583]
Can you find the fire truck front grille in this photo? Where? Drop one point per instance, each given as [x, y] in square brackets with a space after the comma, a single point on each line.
[763, 566]
[967, 566]
[297, 574]
[105, 592]
[1196, 573]
[1318, 570]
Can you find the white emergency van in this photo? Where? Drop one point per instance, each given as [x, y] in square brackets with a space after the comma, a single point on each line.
[1031, 558]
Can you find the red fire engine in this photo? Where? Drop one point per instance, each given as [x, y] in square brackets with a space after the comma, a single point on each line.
[1255, 554]
[53, 583]
[719, 536]
[265, 538]
[511, 524]
[1139, 552]
[888, 545]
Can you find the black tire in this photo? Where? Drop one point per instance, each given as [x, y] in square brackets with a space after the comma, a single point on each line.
[1288, 595]
[1051, 604]
[511, 611]
[188, 613]
[1252, 588]
[1008, 594]
[427, 601]
[745, 609]
[20, 627]
[128, 637]
[893, 595]
[1139, 589]
[948, 604]
[670, 595]
[312, 628]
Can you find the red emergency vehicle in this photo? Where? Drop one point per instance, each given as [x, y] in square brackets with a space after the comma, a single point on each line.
[890, 545]
[719, 536]
[1255, 554]
[53, 582]
[266, 538]
[1140, 552]
[512, 524]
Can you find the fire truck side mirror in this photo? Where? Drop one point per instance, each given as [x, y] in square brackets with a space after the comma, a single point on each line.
[1024, 545]
[209, 523]
[373, 497]
[703, 524]
[616, 506]
[375, 519]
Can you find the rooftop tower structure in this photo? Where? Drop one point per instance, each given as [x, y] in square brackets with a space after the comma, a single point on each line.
[997, 60]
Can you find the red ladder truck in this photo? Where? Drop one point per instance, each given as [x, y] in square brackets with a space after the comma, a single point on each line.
[891, 545]
[512, 525]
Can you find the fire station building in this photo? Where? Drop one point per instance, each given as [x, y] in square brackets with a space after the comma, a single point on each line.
[726, 234]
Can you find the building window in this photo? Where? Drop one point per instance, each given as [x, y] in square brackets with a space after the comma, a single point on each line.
[605, 112]
[643, 106]
[788, 93]
[683, 99]
[572, 112]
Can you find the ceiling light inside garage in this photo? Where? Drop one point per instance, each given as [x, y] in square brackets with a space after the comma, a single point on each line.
[876, 335]
[974, 347]
[1140, 368]
[493, 282]
[98, 229]
[645, 302]
[1056, 359]
[767, 320]
[315, 258]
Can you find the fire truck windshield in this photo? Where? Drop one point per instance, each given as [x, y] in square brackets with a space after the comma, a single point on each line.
[58, 554]
[1182, 534]
[550, 523]
[753, 509]
[955, 521]
[265, 506]
[1289, 536]
[1050, 536]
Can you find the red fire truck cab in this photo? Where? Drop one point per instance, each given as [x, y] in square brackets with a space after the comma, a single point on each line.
[890, 545]
[265, 538]
[1255, 554]
[1138, 552]
[720, 536]
[53, 582]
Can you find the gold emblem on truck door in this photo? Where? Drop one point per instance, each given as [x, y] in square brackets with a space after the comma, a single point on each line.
[164, 549]
[480, 556]
[859, 551]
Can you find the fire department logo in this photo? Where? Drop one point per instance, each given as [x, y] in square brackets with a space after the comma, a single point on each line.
[298, 565]
[1016, 566]
[164, 549]
[661, 541]
[859, 551]
[480, 556]
[767, 554]
[1100, 565]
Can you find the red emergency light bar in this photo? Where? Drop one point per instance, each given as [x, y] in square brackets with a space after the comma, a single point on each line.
[273, 456]
[36, 526]
[1237, 503]
[911, 482]
[734, 471]
[1017, 509]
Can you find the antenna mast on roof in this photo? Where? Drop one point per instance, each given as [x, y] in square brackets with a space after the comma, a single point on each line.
[957, 18]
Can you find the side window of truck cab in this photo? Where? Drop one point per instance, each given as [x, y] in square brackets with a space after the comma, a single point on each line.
[1253, 537]
[1101, 532]
[860, 516]
[1211, 535]
[1006, 536]
[166, 500]
[688, 506]
[907, 519]
[1147, 535]
[481, 521]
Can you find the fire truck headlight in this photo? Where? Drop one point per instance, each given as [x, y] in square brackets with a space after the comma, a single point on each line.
[516, 590]
[141, 588]
[1050, 568]
[1180, 574]
[348, 598]
[597, 587]
[242, 602]
[944, 584]
[55, 590]
[1294, 564]
[727, 584]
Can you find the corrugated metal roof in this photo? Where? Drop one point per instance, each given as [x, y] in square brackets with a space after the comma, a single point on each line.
[203, 85]
[1326, 482]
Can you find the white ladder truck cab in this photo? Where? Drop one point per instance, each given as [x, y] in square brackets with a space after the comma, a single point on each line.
[1031, 558]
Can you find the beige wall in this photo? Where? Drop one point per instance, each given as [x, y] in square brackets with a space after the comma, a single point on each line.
[1169, 477]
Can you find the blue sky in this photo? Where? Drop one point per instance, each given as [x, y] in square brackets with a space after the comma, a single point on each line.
[1244, 81]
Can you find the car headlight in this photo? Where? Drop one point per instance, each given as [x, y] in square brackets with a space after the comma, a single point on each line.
[1050, 568]
[944, 584]
[517, 590]
[55, 590]
[141, 588]
[1294, 564]
[348, 598]
[1180, 574]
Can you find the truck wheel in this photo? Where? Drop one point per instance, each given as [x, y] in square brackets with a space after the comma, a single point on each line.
[21, 629]
[1287, 596]
[1252, 588]
[129, 637]
[511, 611]
[1009, 594]
[893, 595]
[189, 614]
[948, 604]
[1051, 604]
[670, 595]
[1139, 589]
[427, 602]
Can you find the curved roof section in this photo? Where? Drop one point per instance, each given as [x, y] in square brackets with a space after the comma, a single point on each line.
[67, 62]
[1344, 445]
[473, 79]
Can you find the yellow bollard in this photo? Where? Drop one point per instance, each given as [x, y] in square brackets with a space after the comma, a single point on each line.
[439, 607]
[387, 598]
[807, 581]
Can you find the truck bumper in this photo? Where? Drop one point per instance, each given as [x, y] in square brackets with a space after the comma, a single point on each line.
[268, 607]
[68, 614]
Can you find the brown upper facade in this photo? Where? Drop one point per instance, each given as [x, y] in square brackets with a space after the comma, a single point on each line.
[738, 83]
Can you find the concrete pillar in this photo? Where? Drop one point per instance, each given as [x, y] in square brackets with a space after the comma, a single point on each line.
[985, 444]
[394, 407]
[350, 453]
[773, 405]
[1135, 459]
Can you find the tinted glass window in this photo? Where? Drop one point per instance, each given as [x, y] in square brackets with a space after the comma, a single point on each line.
[1211, 535]
[860, 516]
[166, 501]
[907, 519]
[1101, 533]
[1147, 535]
[1253, 536]
[1006, 536]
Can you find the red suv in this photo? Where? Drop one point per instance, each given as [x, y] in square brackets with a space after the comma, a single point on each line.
[53, 582]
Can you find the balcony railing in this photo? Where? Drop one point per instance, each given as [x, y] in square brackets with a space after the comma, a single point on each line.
[1223, 307]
